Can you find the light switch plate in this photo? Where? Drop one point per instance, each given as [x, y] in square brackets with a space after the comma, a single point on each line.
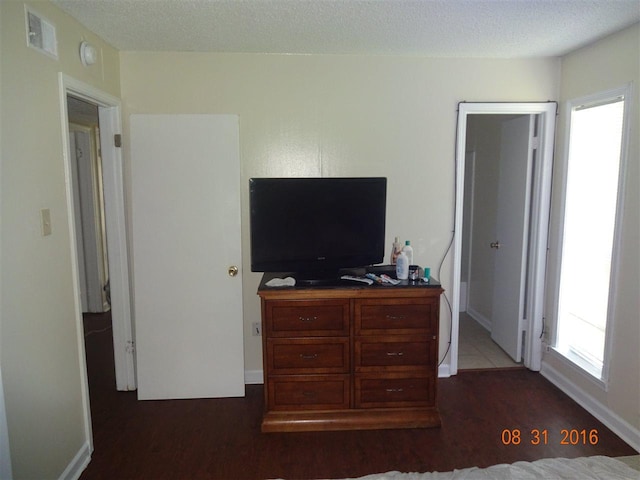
[45, 217]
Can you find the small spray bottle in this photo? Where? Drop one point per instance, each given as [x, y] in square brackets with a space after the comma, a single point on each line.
[395, 250]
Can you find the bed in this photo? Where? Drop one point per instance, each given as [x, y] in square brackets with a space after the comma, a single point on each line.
[583, 468]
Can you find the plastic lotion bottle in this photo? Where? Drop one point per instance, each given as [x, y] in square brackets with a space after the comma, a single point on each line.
[408, 250]
[395, 250]
[402, 266]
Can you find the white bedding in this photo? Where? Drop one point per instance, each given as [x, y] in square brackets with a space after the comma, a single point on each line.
[584, 468]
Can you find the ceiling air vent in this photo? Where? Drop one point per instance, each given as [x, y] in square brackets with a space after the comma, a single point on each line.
[41, 34]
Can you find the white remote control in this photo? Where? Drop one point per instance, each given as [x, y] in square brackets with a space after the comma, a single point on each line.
[368, 281]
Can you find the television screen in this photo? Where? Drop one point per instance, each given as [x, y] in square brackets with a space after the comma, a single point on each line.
[316, 226]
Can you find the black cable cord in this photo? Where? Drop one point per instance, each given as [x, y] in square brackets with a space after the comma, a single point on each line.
[446, 299]
[453, 236]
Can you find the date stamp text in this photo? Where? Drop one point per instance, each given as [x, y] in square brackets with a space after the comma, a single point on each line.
[568, 436]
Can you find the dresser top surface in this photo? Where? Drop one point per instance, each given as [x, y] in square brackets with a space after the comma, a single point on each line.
[339, 284]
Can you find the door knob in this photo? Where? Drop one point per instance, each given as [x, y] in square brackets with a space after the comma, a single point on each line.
[233, 271]
[495, 244]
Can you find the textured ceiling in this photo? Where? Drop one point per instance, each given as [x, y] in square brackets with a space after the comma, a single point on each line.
[435, 28]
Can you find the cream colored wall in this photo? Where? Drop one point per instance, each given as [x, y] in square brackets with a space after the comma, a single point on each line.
[300, 115]
[607, 64]
[340, 116]
[39, 351]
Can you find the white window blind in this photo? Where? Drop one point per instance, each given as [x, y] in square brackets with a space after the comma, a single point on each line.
[591, 202]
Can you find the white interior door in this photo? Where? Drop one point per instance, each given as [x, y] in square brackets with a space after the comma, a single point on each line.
[75, 184]
[186, 235]
[512, 226]
[88, 235]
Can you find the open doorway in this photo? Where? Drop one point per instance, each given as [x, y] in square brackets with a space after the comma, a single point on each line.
[116, 268]
[91, 242]
[109, 123]
[529, 184]
[500, 156]
[88, 199]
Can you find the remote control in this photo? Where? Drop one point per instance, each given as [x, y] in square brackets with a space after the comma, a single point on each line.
[368, 281]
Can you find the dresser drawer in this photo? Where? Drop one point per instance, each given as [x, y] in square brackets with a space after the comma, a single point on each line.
[309, 392]
[396, 316]
[313, 318]
[399, 352]
[394, 390]
[308, 355]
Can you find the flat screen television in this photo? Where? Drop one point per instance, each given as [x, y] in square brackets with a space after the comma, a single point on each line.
[314, 227]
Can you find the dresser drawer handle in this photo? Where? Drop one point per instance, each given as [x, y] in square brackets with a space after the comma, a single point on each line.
[309, 394]
[395, 390]
[395, 317]
[395, 354]
[309, 357]
[308, 319]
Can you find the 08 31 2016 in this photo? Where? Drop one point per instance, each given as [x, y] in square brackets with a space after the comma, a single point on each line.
[568, 436]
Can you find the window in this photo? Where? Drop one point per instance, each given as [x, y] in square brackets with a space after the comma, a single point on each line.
[587, 267]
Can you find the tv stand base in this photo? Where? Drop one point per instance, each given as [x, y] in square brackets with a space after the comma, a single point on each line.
[350, 420]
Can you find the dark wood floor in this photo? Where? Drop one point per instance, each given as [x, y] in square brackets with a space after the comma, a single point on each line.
[221, 438]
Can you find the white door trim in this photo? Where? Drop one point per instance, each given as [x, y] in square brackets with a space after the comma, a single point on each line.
[471, 156]
[541, 204]
[110, 125]
[5, 450]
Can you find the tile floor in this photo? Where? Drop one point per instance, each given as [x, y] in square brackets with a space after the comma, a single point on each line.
[477, 350]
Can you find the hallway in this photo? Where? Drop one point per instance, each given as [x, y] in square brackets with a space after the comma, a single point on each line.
[476, 349]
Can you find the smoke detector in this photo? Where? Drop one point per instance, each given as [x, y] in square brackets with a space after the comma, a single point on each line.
[88, 54]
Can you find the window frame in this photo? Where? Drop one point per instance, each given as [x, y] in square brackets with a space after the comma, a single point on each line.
[588, 101]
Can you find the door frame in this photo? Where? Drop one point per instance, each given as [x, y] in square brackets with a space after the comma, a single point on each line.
[109, 108]
[539, 232]
[470, 163]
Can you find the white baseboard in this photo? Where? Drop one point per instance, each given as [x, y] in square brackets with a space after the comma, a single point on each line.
[78, 464]
[253, 377]
[444, 370]
[478, 317]
[612, 420]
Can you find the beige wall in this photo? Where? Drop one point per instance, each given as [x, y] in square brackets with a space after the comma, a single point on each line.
[299, 115]
[40, 355]
[610, 63]
[340, 116]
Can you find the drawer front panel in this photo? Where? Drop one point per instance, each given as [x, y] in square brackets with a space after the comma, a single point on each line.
[313, 355]
[394, 391]
[312, 392]
[394, 352]
[395, 316]
[308, 318]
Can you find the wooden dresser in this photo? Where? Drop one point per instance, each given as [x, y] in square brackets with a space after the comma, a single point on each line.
[350, 356]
